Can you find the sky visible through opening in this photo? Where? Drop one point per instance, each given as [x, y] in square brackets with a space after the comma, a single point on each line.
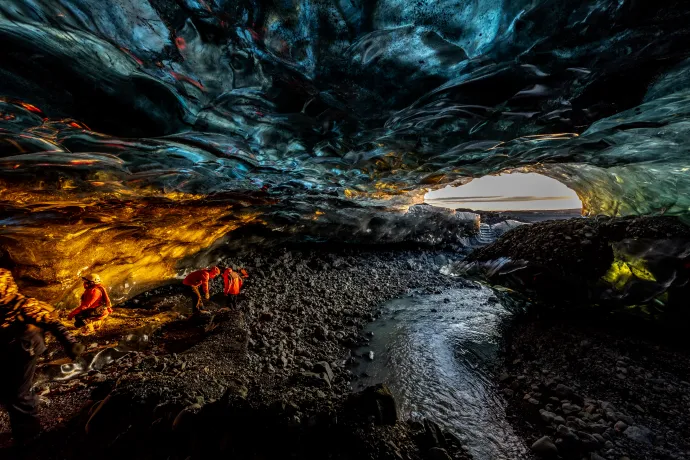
[507, 192]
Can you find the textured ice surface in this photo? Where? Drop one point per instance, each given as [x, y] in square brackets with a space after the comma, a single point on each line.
[342, 108]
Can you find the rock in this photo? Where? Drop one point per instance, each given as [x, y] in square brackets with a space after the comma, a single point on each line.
[283, 362]
[322, 367]
[625, 418]
[639, 434]
[313, 378]
[440, 260]
[563, 391]
[589, 442]
[370, 356]
[433, 435]
[266, 316]
[595, 456]
[321, 333]
[620, 426]
[570, 408]
[376, 401]
[545, 448]
[547, 416]
[598, 428]
[437, 453]
[185, 419]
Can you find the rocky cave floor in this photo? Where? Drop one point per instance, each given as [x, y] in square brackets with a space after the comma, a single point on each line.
[280, 365]
[584, 390]
[273, 378]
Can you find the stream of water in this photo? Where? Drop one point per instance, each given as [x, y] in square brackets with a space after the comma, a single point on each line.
[436, 352]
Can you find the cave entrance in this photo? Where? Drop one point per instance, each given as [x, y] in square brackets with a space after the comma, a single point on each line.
[508, 192]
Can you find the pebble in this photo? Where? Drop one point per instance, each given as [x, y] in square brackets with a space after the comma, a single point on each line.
[620, 426]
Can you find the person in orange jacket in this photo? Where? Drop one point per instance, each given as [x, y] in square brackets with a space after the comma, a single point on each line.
[232, 284]
[95, 304]
[200, 278]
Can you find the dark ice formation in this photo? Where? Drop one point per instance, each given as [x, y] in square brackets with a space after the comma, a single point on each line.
[289, 113]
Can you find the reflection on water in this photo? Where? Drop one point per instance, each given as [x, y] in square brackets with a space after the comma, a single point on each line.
[434, 352]
[135, 341]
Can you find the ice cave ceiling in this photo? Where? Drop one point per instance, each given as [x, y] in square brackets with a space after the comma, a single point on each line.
[136, 133]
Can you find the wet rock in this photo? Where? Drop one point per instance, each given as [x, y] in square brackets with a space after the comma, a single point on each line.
[433, 435]
[440, 260]
[370, 356]
[545, 448]
[437, 453]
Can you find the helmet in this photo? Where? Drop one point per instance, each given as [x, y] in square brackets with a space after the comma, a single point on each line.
[215, 271]
[7, 285]
[92, 278]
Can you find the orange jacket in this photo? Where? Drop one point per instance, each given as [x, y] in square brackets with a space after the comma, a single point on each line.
[93, 297]
[232, 282]
[199, 278]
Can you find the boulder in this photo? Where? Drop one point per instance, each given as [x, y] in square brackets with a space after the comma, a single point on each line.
[545, 448]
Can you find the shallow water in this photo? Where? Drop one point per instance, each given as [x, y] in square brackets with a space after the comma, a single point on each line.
[436, 356]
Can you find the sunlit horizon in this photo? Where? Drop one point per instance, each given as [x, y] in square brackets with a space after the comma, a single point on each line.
[507, 192]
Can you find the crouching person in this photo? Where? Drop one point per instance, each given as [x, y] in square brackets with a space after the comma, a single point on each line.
[196, 280]
[23, 323]
[95, 304]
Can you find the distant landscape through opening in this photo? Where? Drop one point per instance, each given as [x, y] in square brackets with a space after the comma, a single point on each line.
[507, 192]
